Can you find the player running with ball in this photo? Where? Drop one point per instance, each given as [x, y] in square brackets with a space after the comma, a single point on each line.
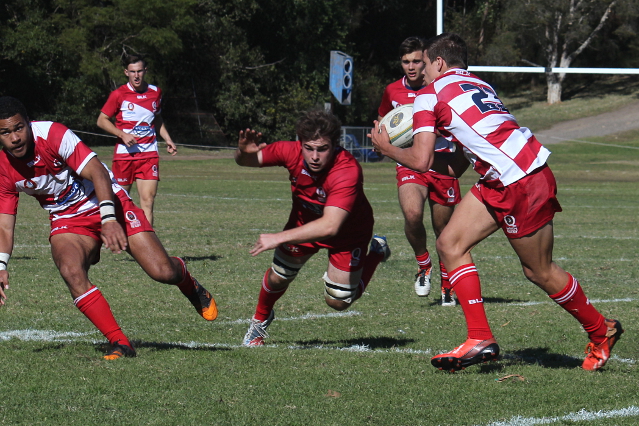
[516, 192]
[329, 211]
[86, 209]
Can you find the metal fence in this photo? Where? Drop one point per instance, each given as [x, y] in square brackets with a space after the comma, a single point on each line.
[354, 140]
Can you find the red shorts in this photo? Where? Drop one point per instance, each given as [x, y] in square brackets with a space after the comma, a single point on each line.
[346, 259]
[89, 223]
[128, 171]
[523, 206]
[442, 189]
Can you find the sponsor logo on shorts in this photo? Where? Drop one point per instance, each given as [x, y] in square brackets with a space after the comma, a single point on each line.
[356, 256]
[57, 228]
[132, 219]
[321, 194]
[291, 248]
[511, 224]
[154, 169]
[409, 177]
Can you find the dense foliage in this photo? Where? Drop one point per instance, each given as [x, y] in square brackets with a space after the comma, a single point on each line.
[249, 63]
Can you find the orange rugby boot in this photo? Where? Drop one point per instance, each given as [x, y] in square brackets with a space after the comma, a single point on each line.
[471, 352]
[597, 355]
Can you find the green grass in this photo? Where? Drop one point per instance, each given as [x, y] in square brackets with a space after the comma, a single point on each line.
[369, 367]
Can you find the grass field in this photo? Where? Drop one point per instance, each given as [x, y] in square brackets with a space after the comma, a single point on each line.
[366, 366]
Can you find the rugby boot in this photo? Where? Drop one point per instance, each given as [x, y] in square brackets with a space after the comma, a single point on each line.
[448, 297]
[471, 352]
[120, 351]
[257, 331]
[422, 282]
[203, 302]
[597, 355]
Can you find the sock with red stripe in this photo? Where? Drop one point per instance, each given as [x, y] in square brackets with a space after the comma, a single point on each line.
[445, 281]
[95, 307]
[423, 261]
[266, 299]
[573, 300]
[465, 281]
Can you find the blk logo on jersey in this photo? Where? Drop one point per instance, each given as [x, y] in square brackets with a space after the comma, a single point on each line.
[133, 220]
[511, 224]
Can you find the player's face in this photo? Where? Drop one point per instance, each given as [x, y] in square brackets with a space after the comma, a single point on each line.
[318, 154]
[431, 70]
[15, 136]
[136, 72]
[413, 66]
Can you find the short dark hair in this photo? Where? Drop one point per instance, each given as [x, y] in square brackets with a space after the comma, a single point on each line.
[11, 106]
[133, 59]
[450, 47]
[410, 45]
[317, 124]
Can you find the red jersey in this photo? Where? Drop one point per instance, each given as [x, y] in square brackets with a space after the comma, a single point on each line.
[51, 174]
[466, 110]
[341, 185]
[134, 113]
[396, 94]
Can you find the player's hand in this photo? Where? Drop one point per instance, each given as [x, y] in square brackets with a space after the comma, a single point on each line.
[171, 148]
[4, 285]
[249, 141]
[113, 237]
[265, 242]
[128, 139]
[379, 138]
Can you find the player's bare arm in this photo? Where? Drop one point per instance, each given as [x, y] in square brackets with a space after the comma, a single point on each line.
[112, 234]
[7, 224]
[320, 229]
[164, 134]
[249, 146]
[418, 157]
[104, 122]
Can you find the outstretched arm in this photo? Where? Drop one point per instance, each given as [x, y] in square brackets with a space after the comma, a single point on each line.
[320, 229]
[249, 146]
[7, 225]
[113, 236]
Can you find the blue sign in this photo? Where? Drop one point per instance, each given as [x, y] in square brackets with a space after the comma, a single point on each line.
[341, 76]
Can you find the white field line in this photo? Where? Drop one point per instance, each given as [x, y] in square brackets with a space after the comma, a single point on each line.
[579, 416]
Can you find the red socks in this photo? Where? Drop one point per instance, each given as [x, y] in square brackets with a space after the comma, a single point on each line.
[465, 281]
[266, 299]
[95, 307]
[445, 281]
[573, 300]
[187, 285]
[424, 261]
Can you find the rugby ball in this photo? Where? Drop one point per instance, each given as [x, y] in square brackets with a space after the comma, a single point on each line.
[399, 125]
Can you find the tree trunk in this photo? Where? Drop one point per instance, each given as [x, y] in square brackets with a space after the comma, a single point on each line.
[555, 87]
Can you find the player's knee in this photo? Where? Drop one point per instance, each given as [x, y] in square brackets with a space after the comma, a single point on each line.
[73, 275]
[287, 271]
[166, 272]
[339, 296]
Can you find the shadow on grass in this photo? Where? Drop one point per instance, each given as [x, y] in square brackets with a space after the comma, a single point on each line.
[186, 258]
[541, 357]
[371, 343]
[162, 346]
[437, 302]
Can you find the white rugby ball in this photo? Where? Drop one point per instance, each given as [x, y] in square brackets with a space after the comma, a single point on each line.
[399, 125]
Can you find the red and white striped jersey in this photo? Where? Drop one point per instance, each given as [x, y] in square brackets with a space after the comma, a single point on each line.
[465, 109]
[134, 113]
[51, 174]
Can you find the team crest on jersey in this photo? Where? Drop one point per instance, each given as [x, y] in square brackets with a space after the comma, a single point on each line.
[356, 256]
[29, 184]
[133, 219]
[321, 195]
[155, 106]
[130, 106]
[57, 163]
[291, 248]
[511, 224]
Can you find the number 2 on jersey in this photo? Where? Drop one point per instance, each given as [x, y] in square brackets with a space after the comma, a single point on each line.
[484, 97]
